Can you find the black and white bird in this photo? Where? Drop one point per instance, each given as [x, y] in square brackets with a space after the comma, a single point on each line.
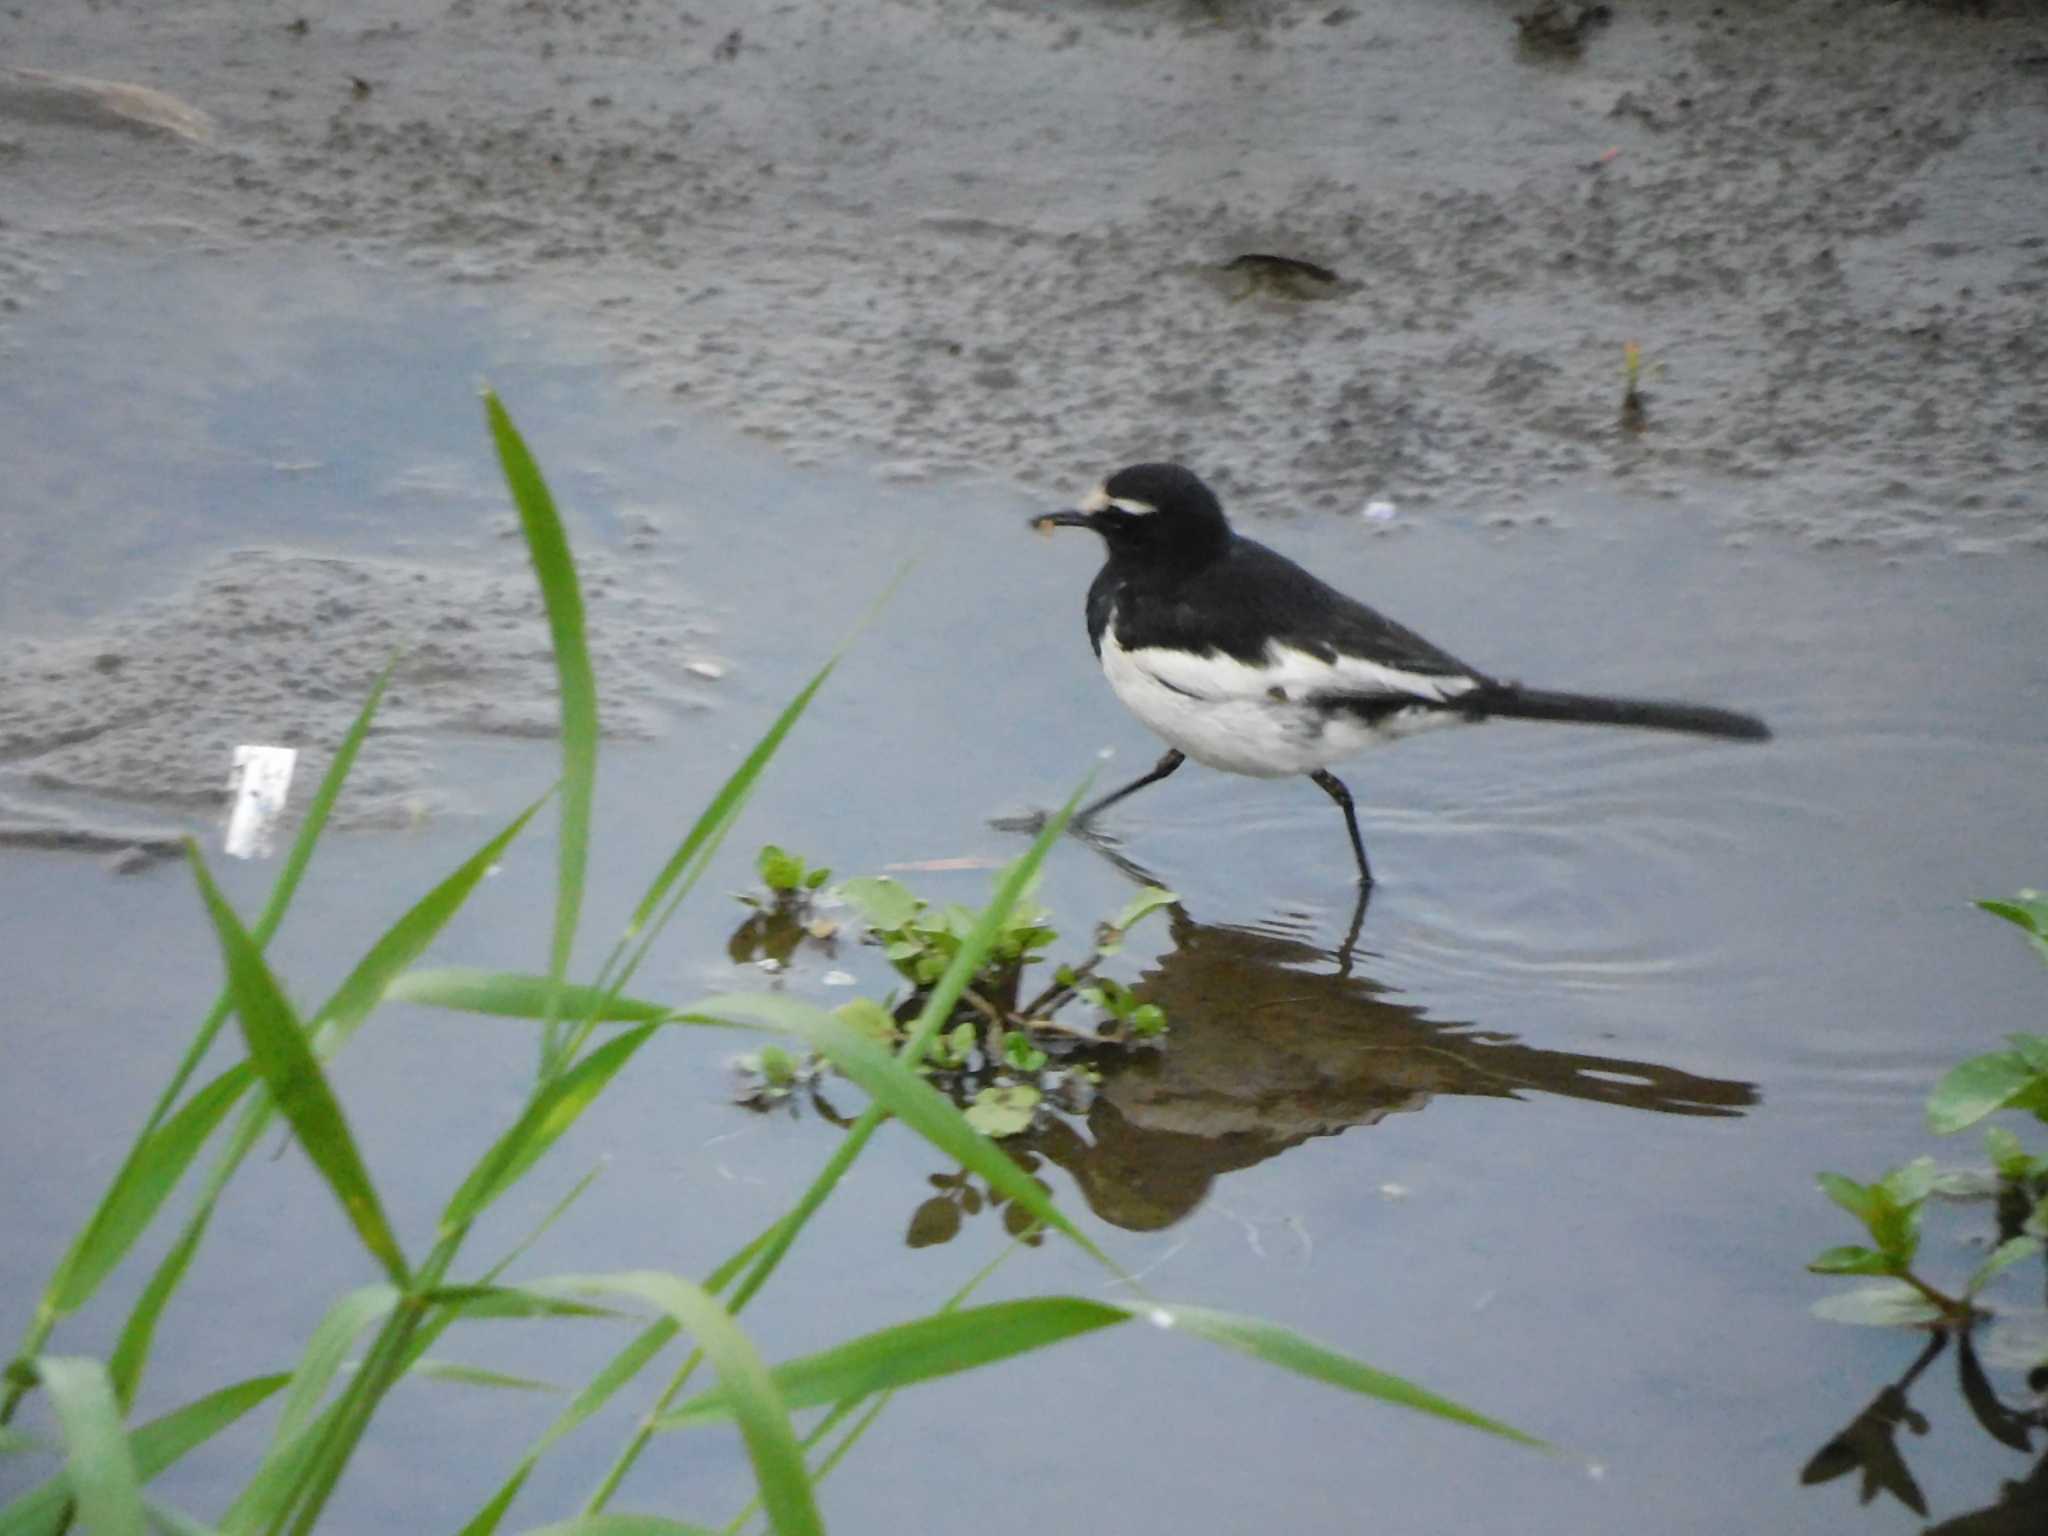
[1242, 660]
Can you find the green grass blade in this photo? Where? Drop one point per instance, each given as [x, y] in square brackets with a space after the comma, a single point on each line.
[894, 1085]
[174, 1522]
[121, 1216]
[155, 1446]
[461, 1375]
[99, 1464]
[138, 1333]
[943, 1344]
[1290, 1351]
[552, 1111]
[278, 1047]
[407, 939]
[518, 995]
[763, 1420]
[621, 1525]
[622, 1368]
[143, 1185]
[507, 1301]
[324, 1353]
[555, 569]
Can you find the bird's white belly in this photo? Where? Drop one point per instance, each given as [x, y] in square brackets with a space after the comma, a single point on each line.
[1263, 733]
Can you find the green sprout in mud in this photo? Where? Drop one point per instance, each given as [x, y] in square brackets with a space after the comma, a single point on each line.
[1004, 1057]
[1891, 1208]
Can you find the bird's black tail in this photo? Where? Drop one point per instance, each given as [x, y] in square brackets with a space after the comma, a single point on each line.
[1511, 701]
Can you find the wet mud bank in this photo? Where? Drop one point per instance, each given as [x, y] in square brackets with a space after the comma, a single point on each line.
[993, 238]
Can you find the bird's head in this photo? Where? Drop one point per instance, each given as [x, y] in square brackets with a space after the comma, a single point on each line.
[1150, 514]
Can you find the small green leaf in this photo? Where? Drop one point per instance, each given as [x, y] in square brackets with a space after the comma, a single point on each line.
[99, 1463]
[2033, 1050]
[1147, 1020]
[1151, 899]
[882, 903]
[2008, 1253]
[2007, 1155]
[870, 1018]
[1000, 1112]
[779, 871]
[1020, 1053]
[1980, 1086]
[1852, 1260]
[2029, 910]
[1896, 1305]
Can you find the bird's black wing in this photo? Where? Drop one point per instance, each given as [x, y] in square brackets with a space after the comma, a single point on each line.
[1254, 599]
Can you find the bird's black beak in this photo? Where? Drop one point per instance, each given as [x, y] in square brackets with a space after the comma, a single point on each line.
[1045, 522]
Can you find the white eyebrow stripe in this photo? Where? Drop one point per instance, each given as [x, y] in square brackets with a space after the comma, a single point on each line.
[1099, 500]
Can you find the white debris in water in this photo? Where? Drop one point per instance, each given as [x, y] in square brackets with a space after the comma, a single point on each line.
[1159, 1317]
[711, 669]
[1394, 1191]
[839, 978]
[1379, 510]
[257, 787]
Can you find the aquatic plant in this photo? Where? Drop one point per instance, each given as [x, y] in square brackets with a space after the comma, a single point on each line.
[589, 1033]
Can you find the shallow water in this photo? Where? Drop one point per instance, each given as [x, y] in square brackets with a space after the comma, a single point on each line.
[1546, 1144]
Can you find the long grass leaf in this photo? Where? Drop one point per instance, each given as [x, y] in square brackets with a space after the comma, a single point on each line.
[155, 1446]
[462, 1375]
[555, 569]
[123, 1214]
[757, 1407]
[507, 1301]
[98, 1462]
[1291, 1351]
[622, 1368]
[407, 939]
[171, 1521]
[145, 1183]
[324, 1353]
[278, 1047]
[940, 1345]
[552, 1111]
[517, 995]
[621, 1525]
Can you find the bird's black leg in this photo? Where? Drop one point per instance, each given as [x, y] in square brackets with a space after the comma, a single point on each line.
[1160, 770]
[1333, 786]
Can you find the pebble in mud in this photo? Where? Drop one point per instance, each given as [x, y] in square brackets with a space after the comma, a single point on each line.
[281, 647]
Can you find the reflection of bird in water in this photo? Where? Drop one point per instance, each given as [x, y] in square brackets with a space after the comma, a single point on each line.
[1269, 1048]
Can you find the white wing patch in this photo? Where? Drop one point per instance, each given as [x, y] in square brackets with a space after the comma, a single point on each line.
[1299, 675]
[1268, 721]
